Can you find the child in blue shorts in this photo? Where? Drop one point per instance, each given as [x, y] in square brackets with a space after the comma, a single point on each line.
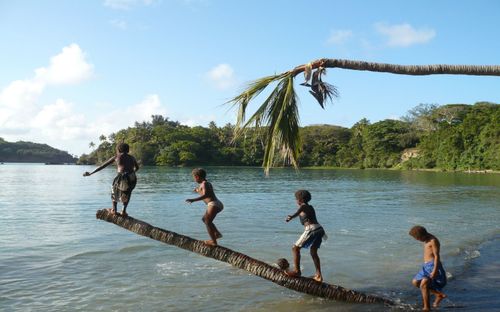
[431, 278]
[312, 237]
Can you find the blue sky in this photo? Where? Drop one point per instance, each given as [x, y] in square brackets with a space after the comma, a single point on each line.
[72, 70]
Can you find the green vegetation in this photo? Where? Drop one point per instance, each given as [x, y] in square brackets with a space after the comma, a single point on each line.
[278, 115]
[449, 137]
[32, 152]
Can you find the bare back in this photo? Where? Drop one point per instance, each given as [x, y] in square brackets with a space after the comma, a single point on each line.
[126, 163]
[307, 215]
[431, 249]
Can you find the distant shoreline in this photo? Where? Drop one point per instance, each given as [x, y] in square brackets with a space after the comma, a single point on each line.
[485, 171]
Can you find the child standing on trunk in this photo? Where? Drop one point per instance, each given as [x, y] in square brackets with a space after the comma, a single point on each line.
[214, 206]
[312, 237]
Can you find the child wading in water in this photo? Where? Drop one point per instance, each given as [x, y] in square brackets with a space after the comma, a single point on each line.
[431, 278]
[214, 206]
[312, 237]
[125, 181]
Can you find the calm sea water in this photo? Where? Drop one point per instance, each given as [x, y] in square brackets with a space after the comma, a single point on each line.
[55, 256]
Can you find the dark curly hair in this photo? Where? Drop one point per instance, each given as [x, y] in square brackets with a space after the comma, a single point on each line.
[303, 195]
[199, 172]
[283, 263]
[418, 232]
[123, 148]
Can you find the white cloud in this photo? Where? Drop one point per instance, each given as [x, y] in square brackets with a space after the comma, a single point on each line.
[404, 35]
[21, 93]
[59, 124]
[120, 24]
[58, 121]
[194, 121]
[126, 4]
[68, 67]
[19, 99]
[122, 118]
[142, 111]
[222, 76]
[338, 37]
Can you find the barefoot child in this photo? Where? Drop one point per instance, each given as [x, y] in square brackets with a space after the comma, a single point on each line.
[312, 236]
[125, 181]
[431, 277]
[214, 206]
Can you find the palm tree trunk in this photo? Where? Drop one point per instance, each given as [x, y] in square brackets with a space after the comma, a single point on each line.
[417, 70]
[241, 261]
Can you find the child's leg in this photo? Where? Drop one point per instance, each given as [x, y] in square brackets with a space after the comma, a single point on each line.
[211, 224]
[114, 206]
[216, 231]
[439, 296]
[124, 210]
[424, 289]
[125, 204]
[314, 254]
[208, 220]
[416, 283]
[296, 261]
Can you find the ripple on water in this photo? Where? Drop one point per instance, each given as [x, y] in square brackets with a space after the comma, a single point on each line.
[86, 255]
[135, 249]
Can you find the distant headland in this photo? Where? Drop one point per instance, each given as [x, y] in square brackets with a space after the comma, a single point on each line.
[29, 152]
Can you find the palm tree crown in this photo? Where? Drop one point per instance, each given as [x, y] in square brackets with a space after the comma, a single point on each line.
[277, 118]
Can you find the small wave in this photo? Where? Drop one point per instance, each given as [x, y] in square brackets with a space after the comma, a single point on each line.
[473, 254]
[134, 249]
[173, 268]
[86, 254]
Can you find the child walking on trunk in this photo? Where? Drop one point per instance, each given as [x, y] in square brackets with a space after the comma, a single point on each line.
[312, 237]
[214, 206]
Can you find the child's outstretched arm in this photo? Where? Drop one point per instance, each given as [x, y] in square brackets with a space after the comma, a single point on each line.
[201, 190]
[290, 217]
[109, 161]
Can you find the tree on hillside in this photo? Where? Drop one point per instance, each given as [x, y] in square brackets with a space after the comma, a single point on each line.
[278, 114]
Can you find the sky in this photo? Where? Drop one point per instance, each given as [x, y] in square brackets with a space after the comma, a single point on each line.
[73, 70]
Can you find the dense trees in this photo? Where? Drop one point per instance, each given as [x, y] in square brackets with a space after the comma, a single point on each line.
[449, 137]
[32, 152]
[278, 114]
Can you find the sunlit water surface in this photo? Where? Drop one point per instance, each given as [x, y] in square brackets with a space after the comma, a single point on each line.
[55, 255]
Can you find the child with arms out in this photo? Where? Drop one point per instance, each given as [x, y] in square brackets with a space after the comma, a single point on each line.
[431, 278]
[312, 237]
[214, 206]
[125, 181]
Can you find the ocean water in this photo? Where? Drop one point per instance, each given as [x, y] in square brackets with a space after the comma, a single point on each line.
[55, 255]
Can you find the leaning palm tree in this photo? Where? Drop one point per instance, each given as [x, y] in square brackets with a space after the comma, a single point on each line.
[278, 116]
[241, 261]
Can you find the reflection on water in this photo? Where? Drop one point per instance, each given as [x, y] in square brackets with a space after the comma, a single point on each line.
[57, 256]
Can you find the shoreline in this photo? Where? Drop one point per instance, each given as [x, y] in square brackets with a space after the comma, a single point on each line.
[487, 171]
[484, 171]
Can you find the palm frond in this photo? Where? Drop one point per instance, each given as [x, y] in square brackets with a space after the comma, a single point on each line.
[252, 91]
[278, 117]
[284, 127]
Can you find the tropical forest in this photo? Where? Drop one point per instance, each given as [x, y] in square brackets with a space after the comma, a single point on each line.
[29, 152]
[452, 137]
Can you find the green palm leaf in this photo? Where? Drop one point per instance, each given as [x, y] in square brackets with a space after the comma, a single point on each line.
[277, 116]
